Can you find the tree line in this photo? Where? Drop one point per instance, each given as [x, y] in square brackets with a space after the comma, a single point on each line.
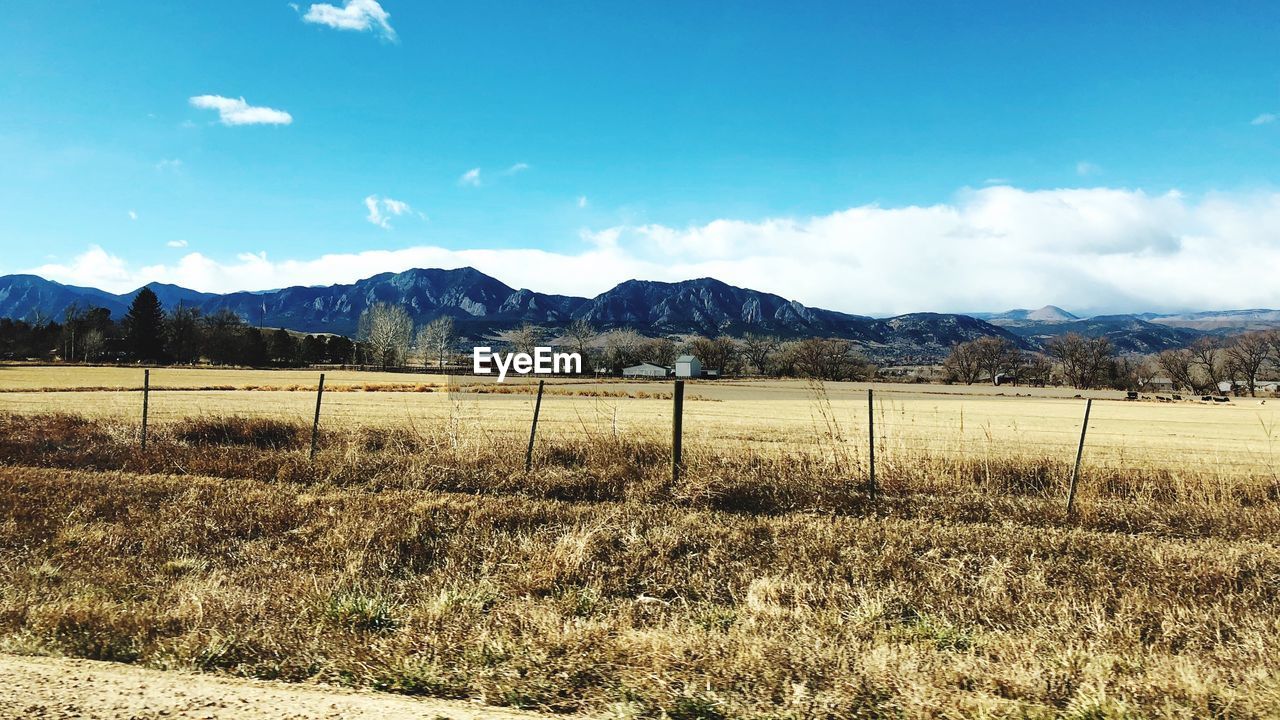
[387, 337]
[1209, 362]
[1092, 362]
[389, 333]
[149, 334]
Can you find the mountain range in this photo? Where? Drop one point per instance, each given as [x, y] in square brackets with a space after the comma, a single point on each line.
[483, 306]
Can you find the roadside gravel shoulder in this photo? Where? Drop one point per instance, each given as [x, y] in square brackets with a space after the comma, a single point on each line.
[42, 688]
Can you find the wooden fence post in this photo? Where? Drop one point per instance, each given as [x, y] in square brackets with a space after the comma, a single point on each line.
[871, 436]
[146, 402]
[1075, 472]
[533, 429]
[677, 430]
[315, 425]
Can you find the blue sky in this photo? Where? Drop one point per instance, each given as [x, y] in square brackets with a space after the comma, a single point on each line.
[774, 145]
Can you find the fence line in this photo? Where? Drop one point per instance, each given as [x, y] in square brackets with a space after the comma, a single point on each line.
[938, 425]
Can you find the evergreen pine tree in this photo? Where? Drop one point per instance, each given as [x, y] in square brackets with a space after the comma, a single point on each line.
[144, 327]
[284, 349]
[255, 349]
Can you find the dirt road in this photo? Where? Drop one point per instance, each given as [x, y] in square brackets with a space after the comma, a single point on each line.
[46, 688]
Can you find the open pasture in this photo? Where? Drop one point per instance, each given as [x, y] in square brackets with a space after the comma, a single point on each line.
[1237, 437]
[415, 553]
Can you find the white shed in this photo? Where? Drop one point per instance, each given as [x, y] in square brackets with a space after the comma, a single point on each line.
[687, 366]
[646, 369]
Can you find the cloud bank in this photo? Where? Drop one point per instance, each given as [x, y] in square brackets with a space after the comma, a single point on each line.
[994, 248]
[235, 111]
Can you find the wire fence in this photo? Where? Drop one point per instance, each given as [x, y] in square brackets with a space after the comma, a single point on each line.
[899, 421]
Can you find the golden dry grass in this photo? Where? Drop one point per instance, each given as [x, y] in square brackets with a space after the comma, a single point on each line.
[415, 554]
[947, 604]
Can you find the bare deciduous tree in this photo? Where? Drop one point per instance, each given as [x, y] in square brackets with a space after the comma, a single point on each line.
[1084, 361]
[1179, 366]
[660, 351]
[580, 334]
[718, 354]
[526, 338]
[621, 348]
[963, 364]
[1036, 369]
[386, 330]
[1131, 372]
[92, 344]
[1246, 356]
[758, 349]
[1207, 353]
[436, 339]
[829, 360]
[996, 355]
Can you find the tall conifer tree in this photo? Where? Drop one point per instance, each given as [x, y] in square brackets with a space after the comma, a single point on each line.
[144, 327]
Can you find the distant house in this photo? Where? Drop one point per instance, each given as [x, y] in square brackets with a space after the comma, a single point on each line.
[647, 370]
[1159, 384]
[687, 366]
[1239, 386]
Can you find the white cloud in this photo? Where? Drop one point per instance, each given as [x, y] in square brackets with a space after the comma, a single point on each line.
[176, 244]
[169, 164]
[235, 111]
[358, 15]
[582, 201]
[1264, 119]
[375, 215]
[95, 267]
[1085, 168]
[1089, 250]
[133, 215]
[381, 210]
[996, 181]
[472, 177]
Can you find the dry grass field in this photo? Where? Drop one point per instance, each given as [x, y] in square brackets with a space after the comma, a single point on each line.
[416, 555]
[1239, 437]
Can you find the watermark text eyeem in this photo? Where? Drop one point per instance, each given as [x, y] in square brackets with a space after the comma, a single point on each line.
[543, 361]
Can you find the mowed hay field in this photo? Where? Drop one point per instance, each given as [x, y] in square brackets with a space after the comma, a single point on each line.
[415, 554]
